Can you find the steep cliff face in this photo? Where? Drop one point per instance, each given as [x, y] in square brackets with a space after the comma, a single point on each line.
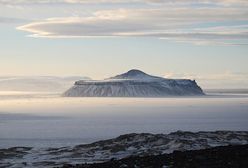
[134, 83]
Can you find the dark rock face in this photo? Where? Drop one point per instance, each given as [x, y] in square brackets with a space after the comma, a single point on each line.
[218, 157]
[134, 83]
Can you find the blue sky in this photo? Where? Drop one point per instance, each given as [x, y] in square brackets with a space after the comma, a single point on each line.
[203, 40]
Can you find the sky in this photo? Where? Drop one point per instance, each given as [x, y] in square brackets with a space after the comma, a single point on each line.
[206, 40]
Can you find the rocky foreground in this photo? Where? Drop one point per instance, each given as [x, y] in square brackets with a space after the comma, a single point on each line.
[217, 157]
[141, 145]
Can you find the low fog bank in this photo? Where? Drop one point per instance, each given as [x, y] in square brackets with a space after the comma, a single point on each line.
[58, 121]
[228, 91]
[37, 83]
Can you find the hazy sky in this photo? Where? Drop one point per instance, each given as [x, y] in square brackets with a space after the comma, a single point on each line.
[206, 40]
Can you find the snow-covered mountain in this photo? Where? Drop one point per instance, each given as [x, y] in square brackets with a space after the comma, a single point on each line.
[134, 83]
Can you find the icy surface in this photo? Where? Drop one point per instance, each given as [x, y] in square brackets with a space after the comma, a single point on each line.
[134, 83]
[51, 128]
[61, 121]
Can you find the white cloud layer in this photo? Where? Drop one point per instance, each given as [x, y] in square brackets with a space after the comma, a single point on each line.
[224, 2]
[218, 80]
[178, 24]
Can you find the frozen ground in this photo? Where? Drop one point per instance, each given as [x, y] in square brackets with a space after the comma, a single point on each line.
[127, 145]
[47, 120]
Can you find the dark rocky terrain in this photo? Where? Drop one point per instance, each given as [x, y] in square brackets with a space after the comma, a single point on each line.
[145, 147]
[217, 157]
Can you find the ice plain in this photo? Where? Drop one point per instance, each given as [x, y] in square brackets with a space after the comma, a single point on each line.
[46, 119]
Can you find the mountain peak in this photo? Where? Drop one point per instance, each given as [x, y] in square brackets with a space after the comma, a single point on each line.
[133, 74]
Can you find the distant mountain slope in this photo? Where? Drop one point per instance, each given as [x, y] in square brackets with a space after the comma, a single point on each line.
[37, 83]
[134, 83]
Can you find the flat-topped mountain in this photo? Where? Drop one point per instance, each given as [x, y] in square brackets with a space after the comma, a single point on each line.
[134, 83]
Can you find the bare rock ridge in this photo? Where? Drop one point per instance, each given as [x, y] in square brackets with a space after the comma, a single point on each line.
[134, 83]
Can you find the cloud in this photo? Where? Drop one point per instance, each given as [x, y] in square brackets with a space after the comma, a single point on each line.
[225, 79]
[11, 20]
[220, 2]
[220, 35]
[227, 75]
[165, 23]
